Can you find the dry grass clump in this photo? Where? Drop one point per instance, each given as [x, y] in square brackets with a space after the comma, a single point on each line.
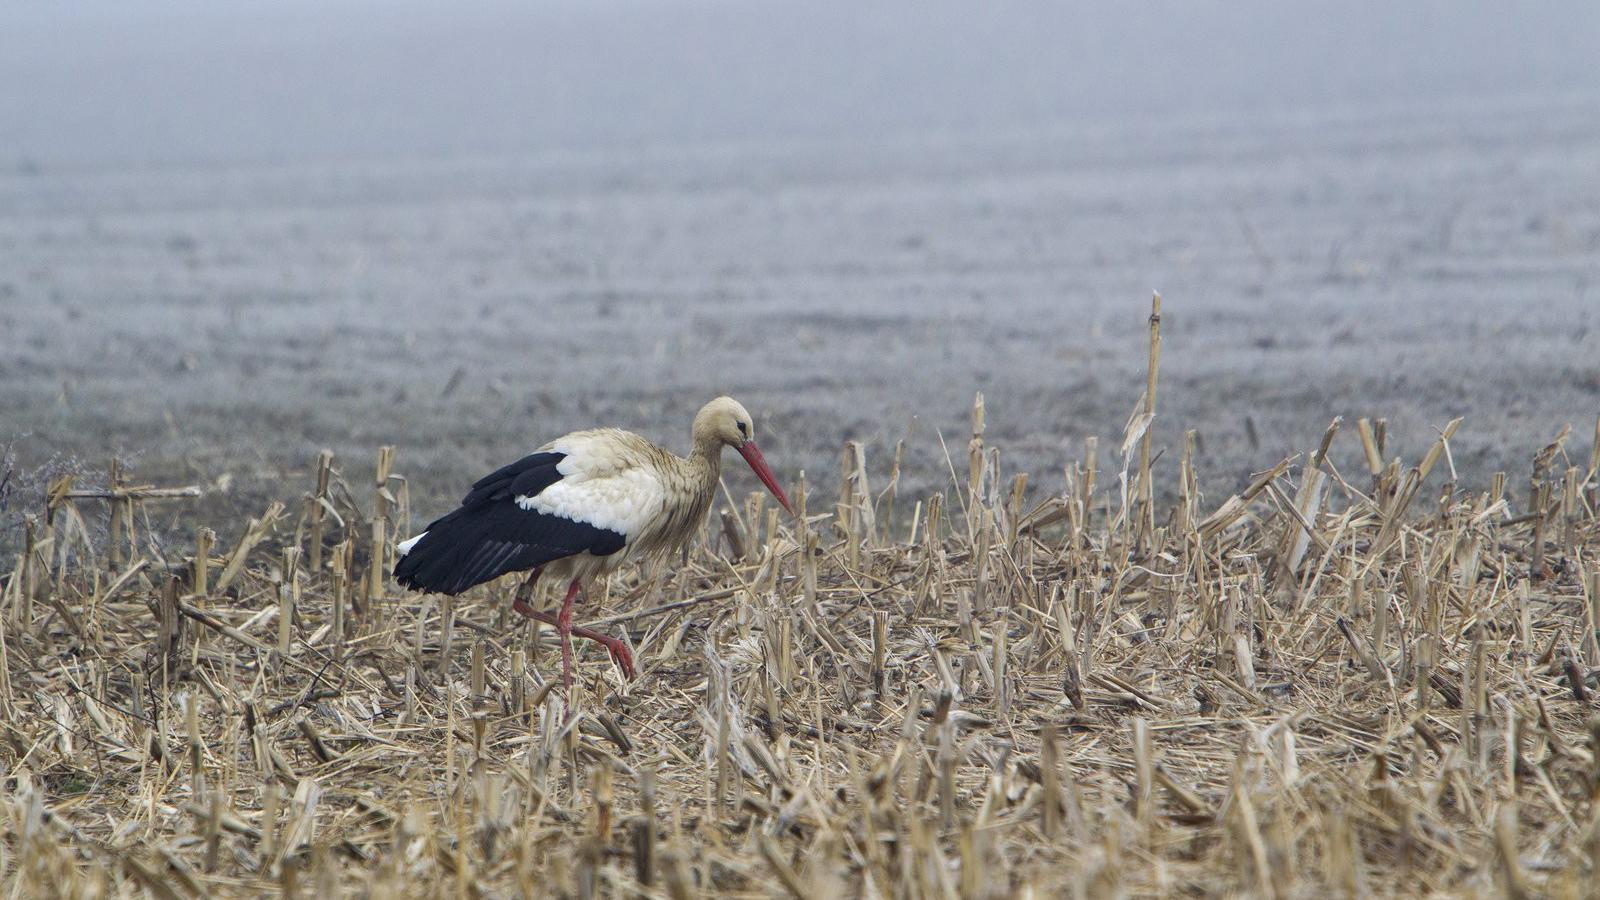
[1328, 684]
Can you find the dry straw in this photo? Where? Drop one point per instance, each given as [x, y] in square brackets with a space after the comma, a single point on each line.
[1332, 683]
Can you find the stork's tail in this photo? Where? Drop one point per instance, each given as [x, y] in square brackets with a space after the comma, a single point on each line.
[428, 565]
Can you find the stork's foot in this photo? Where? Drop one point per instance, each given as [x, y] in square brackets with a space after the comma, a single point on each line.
[620, 654]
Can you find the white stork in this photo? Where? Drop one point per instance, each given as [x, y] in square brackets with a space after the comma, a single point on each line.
[578, 508]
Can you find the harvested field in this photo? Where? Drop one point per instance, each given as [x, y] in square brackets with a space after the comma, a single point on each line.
[1337, 682]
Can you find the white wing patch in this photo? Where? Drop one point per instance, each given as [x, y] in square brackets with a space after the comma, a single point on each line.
[623, 501]
[405, 546]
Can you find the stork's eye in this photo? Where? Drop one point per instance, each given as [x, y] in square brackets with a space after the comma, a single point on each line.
[744, 430]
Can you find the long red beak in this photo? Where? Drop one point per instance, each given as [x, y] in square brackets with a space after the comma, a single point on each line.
[758, 465]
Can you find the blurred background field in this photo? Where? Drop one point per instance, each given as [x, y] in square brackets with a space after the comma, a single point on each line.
[233, 235]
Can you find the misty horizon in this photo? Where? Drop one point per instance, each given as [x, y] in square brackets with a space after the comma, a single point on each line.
[180, 82]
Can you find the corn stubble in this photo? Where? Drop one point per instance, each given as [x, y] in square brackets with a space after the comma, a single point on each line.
[1332, 683]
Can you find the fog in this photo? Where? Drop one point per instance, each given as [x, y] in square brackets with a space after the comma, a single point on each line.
[109, 83]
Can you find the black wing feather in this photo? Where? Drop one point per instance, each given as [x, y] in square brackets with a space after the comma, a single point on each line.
[524, 478]
[490, 534]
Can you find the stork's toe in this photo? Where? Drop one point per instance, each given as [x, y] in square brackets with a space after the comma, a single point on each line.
[623, 657]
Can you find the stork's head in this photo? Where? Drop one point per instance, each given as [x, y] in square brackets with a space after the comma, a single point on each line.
[724, 422]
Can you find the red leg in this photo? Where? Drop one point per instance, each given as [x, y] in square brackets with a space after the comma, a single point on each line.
[564, 629]
[618, 650]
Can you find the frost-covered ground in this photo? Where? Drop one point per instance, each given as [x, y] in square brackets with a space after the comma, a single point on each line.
[1418, 265]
